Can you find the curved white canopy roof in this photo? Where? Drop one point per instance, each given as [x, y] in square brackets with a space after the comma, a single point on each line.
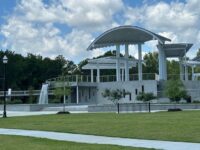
[176, 49]
[108, 63]
[196, 58]
[125, 35]
[191, 63]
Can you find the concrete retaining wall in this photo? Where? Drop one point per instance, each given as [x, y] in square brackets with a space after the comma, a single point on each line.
[28, 107]
[139, 107]
[130, 86]
[131, 107]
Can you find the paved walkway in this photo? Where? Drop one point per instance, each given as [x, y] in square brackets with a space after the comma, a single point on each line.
[33, 113]
[91, 139]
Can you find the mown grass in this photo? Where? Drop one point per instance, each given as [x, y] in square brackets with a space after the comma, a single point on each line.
[173, 126]
[28, 143]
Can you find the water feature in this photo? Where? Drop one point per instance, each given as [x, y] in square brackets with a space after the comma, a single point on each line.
[43, 99]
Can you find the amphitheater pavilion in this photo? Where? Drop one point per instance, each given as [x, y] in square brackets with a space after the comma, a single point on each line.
[88, 90]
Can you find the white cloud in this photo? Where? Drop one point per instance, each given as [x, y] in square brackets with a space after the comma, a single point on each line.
[88, 14]
[24, 37]
[91, 13]
[177, 20]
[133, 51]
[31, 27]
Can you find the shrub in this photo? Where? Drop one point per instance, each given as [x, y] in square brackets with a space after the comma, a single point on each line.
[174, 109]
[15, 101]
[175, 90]
[63, 112]
[145, 97]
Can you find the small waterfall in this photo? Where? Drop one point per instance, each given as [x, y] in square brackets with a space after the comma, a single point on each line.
[43, 99]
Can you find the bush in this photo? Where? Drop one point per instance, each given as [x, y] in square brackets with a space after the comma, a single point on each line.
[175, 90]
[174, 109]
[196, 101]
[188, 99]
[63, 112]
[145, 97]
[15, 101]
[57, 101]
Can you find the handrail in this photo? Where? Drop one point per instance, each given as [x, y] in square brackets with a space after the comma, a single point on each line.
[23, 93]
[103, 78]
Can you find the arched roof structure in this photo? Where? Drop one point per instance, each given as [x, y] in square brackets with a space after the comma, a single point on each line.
[125, 35]
[176, 49]
[108, 63]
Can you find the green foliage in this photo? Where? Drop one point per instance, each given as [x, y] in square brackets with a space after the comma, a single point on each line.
[145, 97]
[62, 91]
[15, 101]
[31, 96]
[175, 90]
[151, 62]
[32, 70]
[198, 53]
[113, 95]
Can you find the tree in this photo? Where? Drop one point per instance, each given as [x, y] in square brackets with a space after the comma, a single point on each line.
[62, 91]
[114, 96]
[69, 68]
[31, 95]
[146, 97]
[151, 62]
[198, 53]
[175, 90]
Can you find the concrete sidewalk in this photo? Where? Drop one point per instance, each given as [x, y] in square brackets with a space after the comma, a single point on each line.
[33, 113]
[26, 113]
[91, 139]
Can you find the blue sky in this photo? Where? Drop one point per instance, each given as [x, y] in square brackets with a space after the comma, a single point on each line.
[67, 27]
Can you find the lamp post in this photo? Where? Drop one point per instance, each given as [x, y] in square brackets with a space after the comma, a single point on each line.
[5, 61]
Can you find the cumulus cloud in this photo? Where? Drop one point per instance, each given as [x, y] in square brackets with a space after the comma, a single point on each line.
[31, 27]
[45, 40]
[90, 14]
[177, 20]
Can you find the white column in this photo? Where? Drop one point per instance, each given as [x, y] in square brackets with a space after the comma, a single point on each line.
[192, 73]
[126, 63]
[92, 75]
[161, 59]
[140, 62]
[186, 73]
[98, 75]
[77, 95]
[122, 74]
[118, 62]
[164, 66]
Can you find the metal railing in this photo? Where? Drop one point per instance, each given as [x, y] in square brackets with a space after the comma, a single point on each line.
[102, 78]
[24, 93]
[178, 76]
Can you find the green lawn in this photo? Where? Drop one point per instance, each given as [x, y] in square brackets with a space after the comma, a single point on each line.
[28, 143]
[173, 126]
